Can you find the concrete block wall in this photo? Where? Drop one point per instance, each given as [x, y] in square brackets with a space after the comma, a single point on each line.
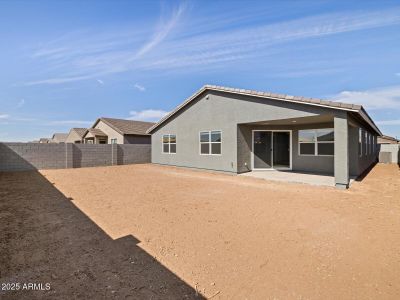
[393, 155]
[127, 154]
[32, 156]
[92, 155]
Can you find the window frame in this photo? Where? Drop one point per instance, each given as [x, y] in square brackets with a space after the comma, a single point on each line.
[360, 142]
[316, 142]
[113, 141]
[169, 143]
[369, 143]
[209, 142]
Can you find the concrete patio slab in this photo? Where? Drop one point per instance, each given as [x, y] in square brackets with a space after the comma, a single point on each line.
[296, 177]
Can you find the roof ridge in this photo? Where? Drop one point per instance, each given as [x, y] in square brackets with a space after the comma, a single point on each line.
[284, 97]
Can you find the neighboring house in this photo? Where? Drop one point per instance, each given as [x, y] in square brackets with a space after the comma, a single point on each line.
[59, 138]
[385, 139]
[75, 135]
[236, 130]
[118, 131]
[44, 141]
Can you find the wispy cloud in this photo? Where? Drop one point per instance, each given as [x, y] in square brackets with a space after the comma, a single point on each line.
[88, 55]
[380, 98]
[21, 119]
[164, 28]
[70, 122]
[100, 81]
[21, 103]
[4, 116]
[139, 87]
[388, 122]
[59, 80]
[147, 114]
[397, 74]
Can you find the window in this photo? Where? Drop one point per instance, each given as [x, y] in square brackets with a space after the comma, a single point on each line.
[365, 143]
[369, 143]
[316, 142]
[210, 142]
[360, 142]
[169, 143]
[113, 141]
[373, 144]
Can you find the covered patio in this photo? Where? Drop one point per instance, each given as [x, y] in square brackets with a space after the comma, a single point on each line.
[312, 150]
[95, 136]
[296, 177]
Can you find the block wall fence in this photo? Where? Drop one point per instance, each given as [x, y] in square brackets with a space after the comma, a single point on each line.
[33, 156]
[390, 153]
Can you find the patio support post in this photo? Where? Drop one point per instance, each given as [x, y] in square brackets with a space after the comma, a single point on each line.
[341, 159]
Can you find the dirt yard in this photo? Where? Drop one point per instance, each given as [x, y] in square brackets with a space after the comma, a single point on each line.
[153, 232]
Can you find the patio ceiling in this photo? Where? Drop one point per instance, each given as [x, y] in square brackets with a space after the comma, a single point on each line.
[321, 119]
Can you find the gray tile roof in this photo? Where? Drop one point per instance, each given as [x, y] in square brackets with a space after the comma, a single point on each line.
[127, 126]
[282, 97]
[80, 131]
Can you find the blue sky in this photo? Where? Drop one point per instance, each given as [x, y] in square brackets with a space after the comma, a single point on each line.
[65, 63]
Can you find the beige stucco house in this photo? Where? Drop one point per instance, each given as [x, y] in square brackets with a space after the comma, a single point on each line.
[385, 139]
[118, 131]
[75, 135]
[44, 140]
[58, 138]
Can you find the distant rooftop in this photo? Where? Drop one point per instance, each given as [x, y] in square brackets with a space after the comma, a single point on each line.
[127, 126]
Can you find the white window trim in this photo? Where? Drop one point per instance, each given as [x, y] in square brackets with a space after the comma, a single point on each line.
[209, 133]
[315, 143]
[169, 144]
[366, 143]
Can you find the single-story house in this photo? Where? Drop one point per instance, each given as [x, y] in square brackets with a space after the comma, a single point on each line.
[385, 139]
[237, 130]
[59, 138]
[75, 135]
[44, 140]
[118, 131]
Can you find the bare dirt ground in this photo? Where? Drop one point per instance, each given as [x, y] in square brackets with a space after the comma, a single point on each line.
[153, 232]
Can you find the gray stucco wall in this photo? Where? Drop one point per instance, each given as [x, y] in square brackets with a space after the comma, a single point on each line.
[224, 112]
[30, 156]
[367, 158]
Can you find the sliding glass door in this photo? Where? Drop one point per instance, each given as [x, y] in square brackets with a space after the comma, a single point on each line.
[271, 149]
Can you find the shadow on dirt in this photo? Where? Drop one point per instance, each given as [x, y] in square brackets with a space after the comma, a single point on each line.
[45, 238]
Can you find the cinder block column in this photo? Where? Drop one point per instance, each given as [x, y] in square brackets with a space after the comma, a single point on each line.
[114, 154]
[341, 159]
[69, 155]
